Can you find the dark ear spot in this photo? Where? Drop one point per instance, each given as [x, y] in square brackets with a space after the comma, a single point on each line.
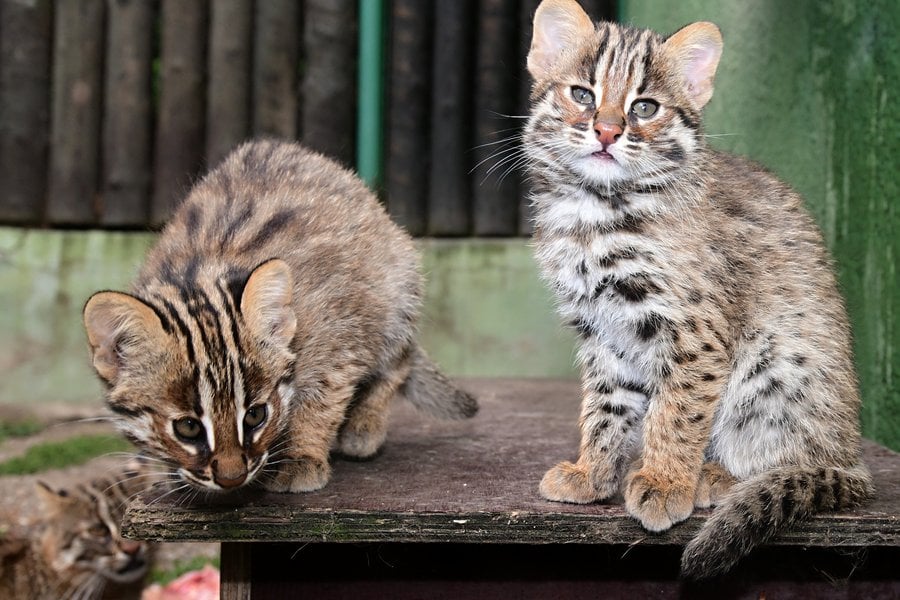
[559, 26]
[267, 303]
[116, 323]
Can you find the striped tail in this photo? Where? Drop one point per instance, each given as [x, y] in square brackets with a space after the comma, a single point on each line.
[757, 509]
[431, 391]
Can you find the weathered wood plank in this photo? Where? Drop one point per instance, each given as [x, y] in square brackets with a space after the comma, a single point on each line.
[406, 183]
[180, 123]
[127, 116]
[330, 41]
[449, 193]
[228, 89]
[494, 190]
[476, 481]
[276, 64]
[75, 127]
[25, 46]
[237, 570]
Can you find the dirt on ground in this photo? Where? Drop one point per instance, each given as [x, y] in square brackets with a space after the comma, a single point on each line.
[17, 495]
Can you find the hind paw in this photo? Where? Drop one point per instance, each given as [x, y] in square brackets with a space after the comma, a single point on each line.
[570, 482]
[713, 484]
[657, 502]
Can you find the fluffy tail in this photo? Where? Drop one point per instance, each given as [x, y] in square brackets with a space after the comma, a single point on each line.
[431, 391]
[756, 509]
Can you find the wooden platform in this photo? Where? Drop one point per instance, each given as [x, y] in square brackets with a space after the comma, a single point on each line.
[474, 482]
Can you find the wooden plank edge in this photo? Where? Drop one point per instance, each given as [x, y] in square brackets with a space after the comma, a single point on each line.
[298, 525]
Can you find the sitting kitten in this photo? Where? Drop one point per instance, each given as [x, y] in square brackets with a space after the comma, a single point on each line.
[715, 348]
[274, 318]
[73, 548]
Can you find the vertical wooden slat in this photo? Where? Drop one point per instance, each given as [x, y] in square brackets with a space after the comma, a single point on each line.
[75, 127]
[180, 122]
[496, 203]
[236, 571]
[126, 113]
[449, 194]
[25, 46]
[276, 59]
[228, 88]
[409, 93]
[329, 83]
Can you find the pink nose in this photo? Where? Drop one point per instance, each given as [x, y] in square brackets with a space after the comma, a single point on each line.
[607, 133]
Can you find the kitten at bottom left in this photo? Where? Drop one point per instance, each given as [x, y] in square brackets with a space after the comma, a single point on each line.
[73, 547]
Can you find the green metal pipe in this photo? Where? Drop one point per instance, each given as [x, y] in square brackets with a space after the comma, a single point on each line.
[370, 92]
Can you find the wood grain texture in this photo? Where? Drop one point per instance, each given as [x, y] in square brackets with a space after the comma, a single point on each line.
[276, 66]
[75, 124]
[25, 48]
[180, 124]
[127, 116]
[228, 89]
[476, 481]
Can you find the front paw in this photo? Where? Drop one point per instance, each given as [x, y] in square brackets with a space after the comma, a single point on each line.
[570, 482]
[304, 474]
[360, 445]
[657, 502]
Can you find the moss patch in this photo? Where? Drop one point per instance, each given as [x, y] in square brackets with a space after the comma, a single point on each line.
[162, 577]
[57, 455]
[25, 428]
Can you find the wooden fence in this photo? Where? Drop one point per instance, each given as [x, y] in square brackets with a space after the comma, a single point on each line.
[109, 109]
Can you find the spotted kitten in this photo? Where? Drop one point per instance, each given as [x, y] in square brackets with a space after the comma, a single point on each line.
[273, 320]
[73, 548]
[715, 349]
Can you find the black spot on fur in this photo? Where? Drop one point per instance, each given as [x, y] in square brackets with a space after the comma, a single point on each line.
[649, 326]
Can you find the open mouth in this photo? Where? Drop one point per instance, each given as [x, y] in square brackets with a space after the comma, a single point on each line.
[603, 155]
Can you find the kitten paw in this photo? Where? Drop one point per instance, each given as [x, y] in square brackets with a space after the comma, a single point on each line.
[569, 482]
[361, 445]
[657, 502]
[713, 484]
[301, 475]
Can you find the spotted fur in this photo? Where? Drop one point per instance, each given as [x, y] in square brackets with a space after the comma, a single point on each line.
[714, 345]
[273, 320]
[73, 548]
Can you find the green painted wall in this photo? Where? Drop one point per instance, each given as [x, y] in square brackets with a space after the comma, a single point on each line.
[486, 312]
[811, 89]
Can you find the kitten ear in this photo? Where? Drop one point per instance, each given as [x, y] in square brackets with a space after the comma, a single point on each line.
[116, 323]
[558, 27]
[696, 50]
[267, 302]
[53, 500]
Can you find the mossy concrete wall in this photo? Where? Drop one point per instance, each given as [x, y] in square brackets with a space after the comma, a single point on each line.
[486, 312]
[811, 89]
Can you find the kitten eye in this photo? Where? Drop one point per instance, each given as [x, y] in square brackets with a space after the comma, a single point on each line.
[188, 429]
[644, 108]
[255, 416]
[99, 530]
[582, 95]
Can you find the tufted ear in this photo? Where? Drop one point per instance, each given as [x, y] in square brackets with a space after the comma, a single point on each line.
[118, 324]
[559, 25]
[695, 51]
[267, 303]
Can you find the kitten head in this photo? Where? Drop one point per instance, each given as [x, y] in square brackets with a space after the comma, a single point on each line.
[612, 105]
[200, 371]
[80, 539]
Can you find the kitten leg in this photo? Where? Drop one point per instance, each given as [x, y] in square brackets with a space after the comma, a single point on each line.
[365, 429]
[607, 418]
[676, 431]
[715, 481]
[314, 426]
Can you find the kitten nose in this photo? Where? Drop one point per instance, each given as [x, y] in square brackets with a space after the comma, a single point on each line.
[607, 133]
[129, 547]
[230, 471]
